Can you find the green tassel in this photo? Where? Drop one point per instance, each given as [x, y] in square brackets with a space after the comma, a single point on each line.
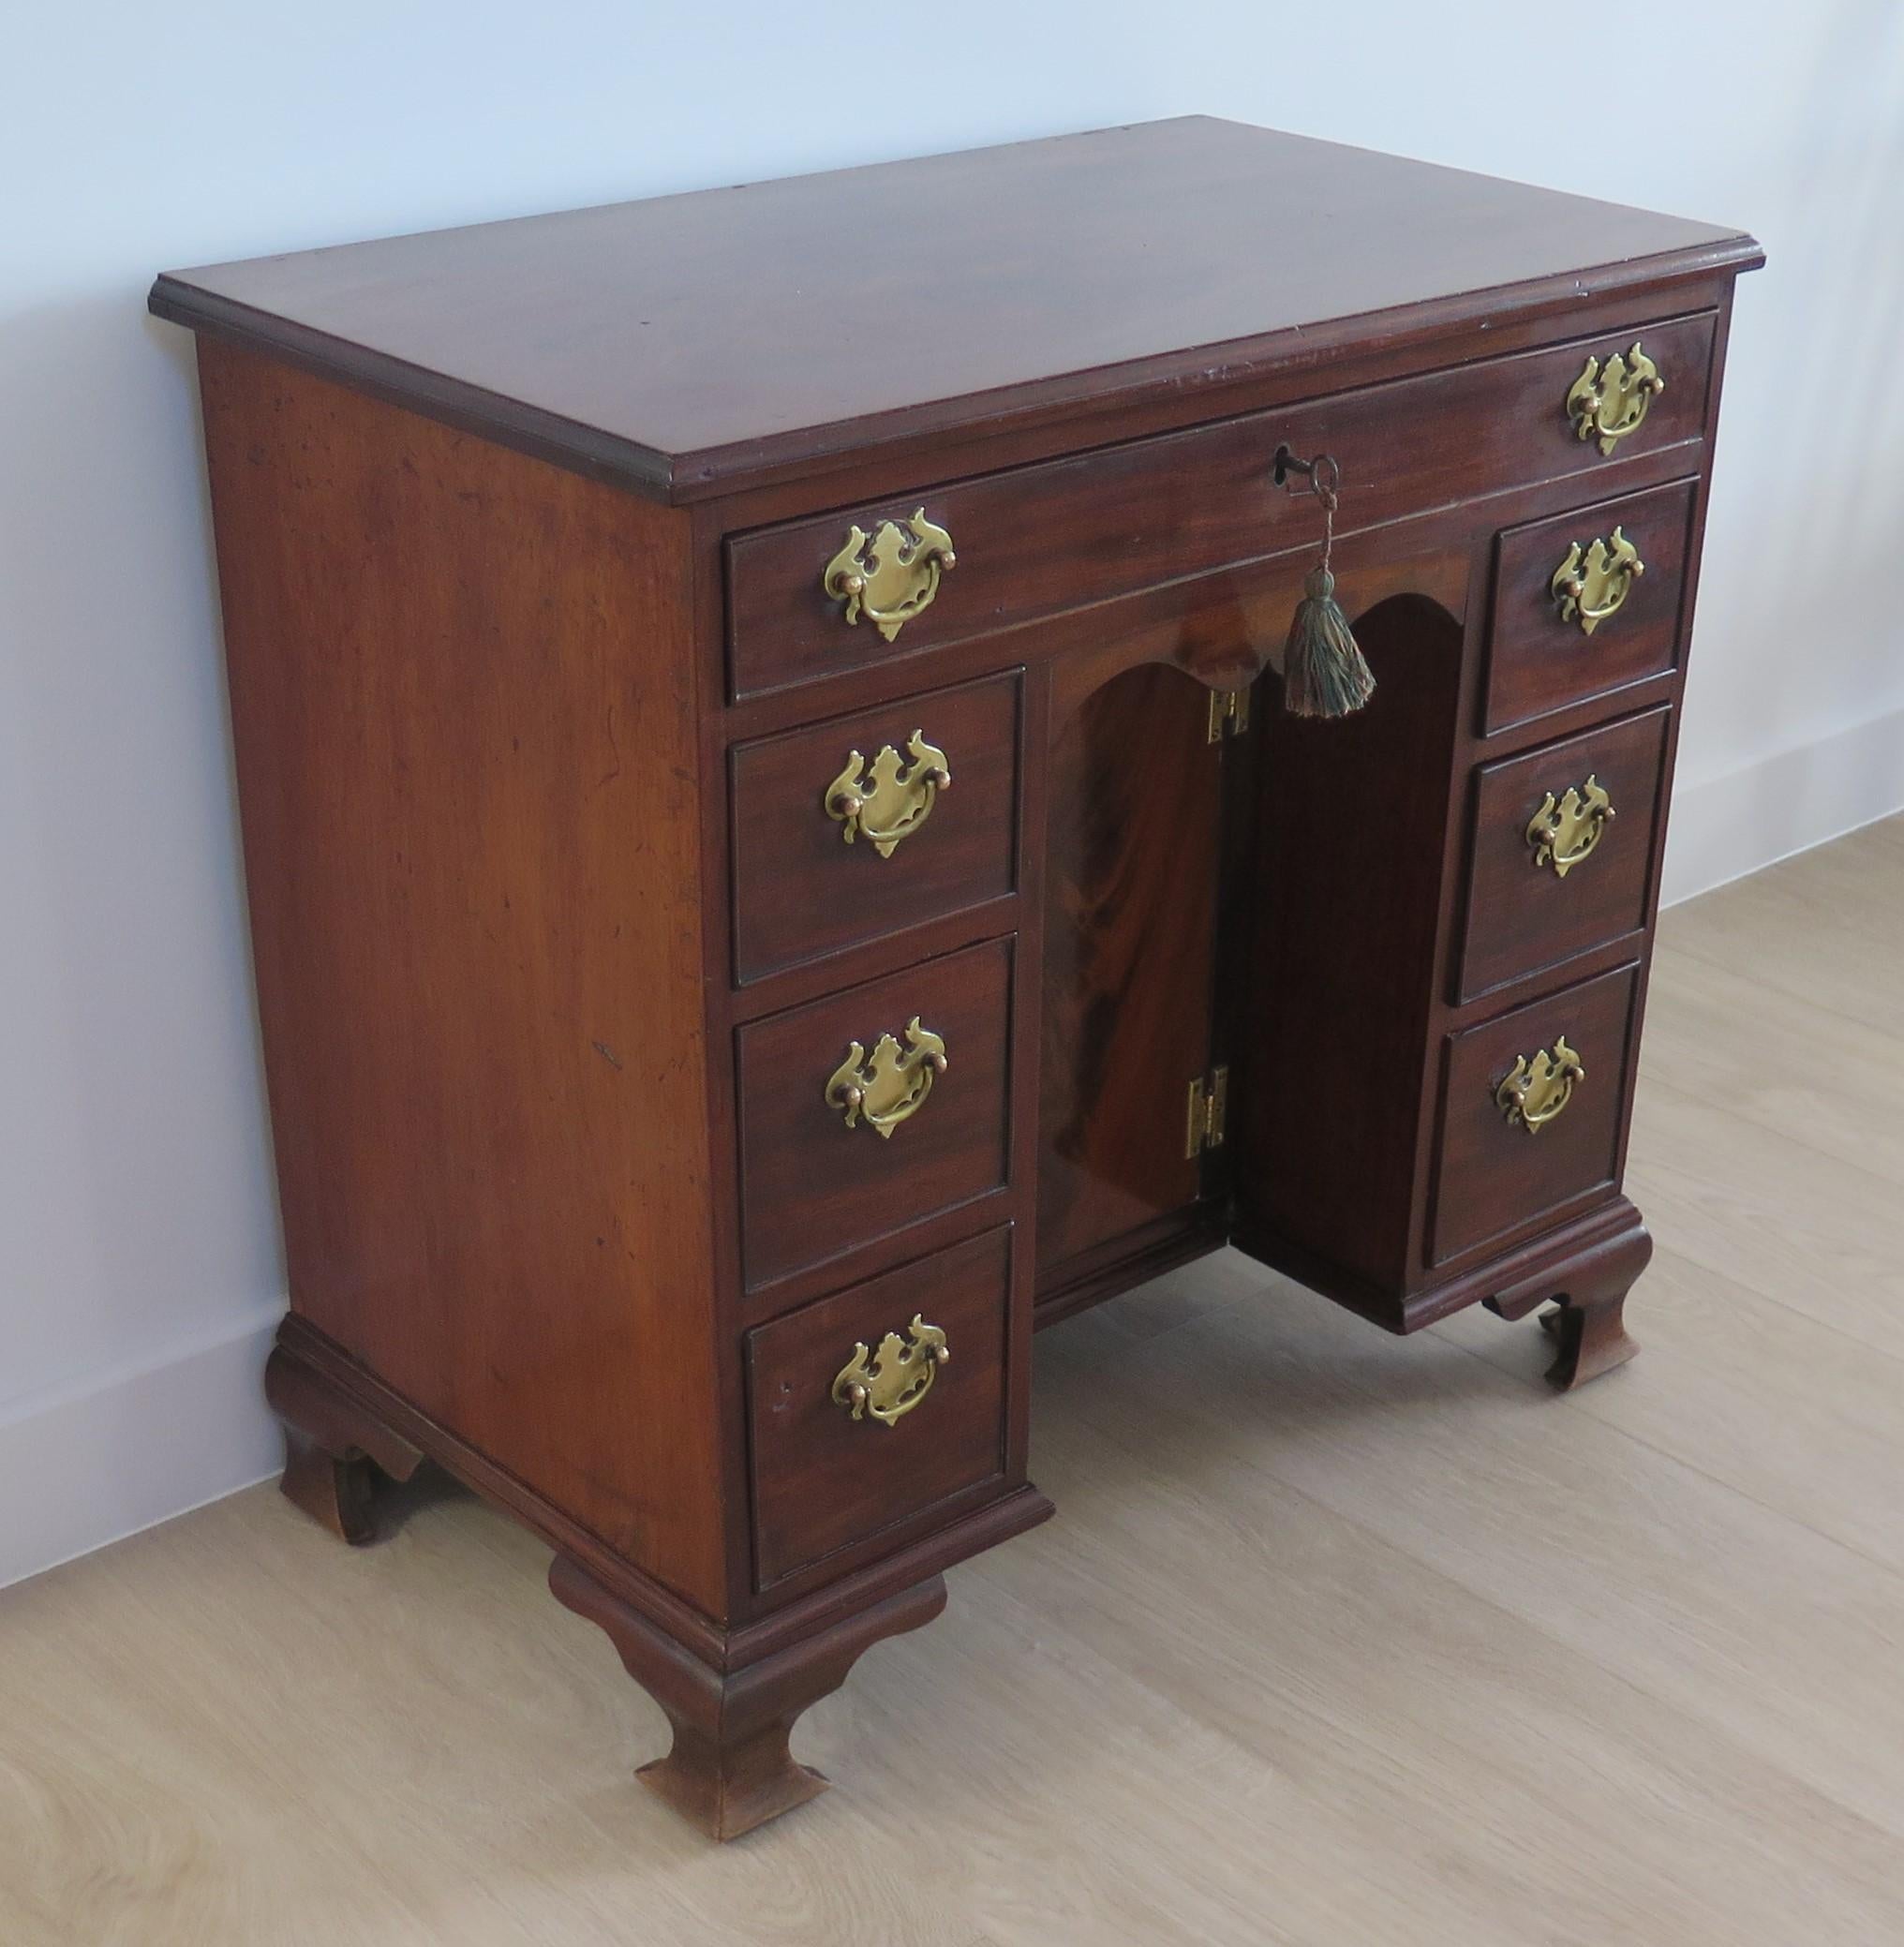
[1324, 673]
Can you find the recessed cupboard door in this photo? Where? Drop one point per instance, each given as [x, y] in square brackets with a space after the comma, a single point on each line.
[1136, 826]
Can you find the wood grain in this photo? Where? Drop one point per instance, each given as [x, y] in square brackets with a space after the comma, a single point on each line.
[693, 344]
[470, 843]
[800, 892]
[1519, 918]
[552, 937]
[1034, 540]
[824, 1481]
[1495, 1179]
[811, 1188]
[1132, 883]
[730, 1768]
[1332, 1077]
[1539, 663]
[1479, 1665]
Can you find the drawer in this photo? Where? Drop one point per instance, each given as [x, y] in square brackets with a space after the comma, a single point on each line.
[1495, 1176]
[812, 1188]
[1032, 540]
[1541, 659]
[1561, 854]
[824, 1481]
[808, 881]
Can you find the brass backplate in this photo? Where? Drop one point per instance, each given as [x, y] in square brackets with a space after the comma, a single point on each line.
[1607, 401]
[891, 799]
[892, 575]
[1540, 1086]
[887, 1385]
[1565, 829]
[886, 1088]
[1589, 587]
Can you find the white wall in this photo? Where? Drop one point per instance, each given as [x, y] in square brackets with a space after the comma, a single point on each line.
[140, 1265]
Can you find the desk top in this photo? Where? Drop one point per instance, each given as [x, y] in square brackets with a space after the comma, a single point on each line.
[694, 344]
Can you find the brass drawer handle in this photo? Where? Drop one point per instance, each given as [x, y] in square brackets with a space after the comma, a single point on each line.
[893, 798]
[1590, 587]
[892, 577]
[1610, 401]
[895, 1379]
[890, 1086]
[1539, 1086]
[1565, 829]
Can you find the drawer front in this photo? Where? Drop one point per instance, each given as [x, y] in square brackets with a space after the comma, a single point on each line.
[811, 1186]
[1543, 659]
[1037, 540]
[825, 1482]
[1561, 855]
[1495, 1176]
[811, 877]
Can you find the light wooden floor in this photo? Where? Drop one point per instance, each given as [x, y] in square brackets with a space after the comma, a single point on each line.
[1469, 1663]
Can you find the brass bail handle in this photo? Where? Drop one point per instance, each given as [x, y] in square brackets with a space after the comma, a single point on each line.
[1565, 829]
[1592, 584]
[887, 1385]
[888, 800]
[892, 574]
[1537, 1088]
[1609, 401]
[887, 1086]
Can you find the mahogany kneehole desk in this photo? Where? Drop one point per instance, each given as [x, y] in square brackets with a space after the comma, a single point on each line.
[777, 864]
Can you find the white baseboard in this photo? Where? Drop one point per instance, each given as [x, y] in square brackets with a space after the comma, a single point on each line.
[99, 1460]
[1724, 827]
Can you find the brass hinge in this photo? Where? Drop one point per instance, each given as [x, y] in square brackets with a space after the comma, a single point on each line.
[1228, 713]
[1204, 1118]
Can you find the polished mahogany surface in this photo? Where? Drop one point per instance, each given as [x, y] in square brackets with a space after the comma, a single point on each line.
[1325, 1103]
[824, 1481]
[694, 344]
[1539, 662]
[800, 892]
[479, 1002]
[811, 1188]
[1498, 1178]
[1132, 883]
[559, 948]
[1522, 917]
[1035, 540]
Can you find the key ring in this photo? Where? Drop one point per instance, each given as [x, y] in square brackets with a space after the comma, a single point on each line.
[1321, 476]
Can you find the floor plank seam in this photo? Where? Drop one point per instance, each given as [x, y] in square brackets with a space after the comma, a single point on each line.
[1784, 999]
[1521, 1624]
[1583, 1403]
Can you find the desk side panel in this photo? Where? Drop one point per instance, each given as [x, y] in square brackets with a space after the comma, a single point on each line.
[466, 762]
[1328, 1058]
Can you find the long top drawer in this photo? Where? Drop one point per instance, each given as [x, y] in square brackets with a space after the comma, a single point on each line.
[1037, 540]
